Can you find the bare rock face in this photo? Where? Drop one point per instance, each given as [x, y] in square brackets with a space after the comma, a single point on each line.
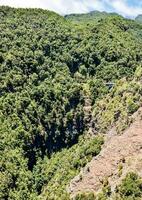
[119, 152]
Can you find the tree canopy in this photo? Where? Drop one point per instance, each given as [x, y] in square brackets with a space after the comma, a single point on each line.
[45, 62]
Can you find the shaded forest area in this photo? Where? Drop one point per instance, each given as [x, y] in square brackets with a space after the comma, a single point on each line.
[47, 66]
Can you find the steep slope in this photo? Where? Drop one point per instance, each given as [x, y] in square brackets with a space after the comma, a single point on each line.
[52, 75]
[123, 151]
[114, 114]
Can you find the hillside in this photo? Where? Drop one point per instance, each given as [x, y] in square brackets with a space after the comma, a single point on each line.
[62, 87]
[89, 17]
[139, 18]
[121, 154]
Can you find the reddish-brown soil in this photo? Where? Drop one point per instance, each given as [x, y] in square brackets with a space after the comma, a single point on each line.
[120, 154]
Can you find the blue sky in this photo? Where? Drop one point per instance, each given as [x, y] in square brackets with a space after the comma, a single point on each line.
[127, 8]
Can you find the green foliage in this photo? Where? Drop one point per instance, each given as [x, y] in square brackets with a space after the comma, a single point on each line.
[117, 107]
[64, 165]
[91, 17]
[45, 63]
[131, 187]
[85, 196]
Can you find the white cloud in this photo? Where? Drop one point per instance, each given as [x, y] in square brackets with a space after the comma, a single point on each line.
[23, 4]
[121, 7]
[60, 6]
[77, 6]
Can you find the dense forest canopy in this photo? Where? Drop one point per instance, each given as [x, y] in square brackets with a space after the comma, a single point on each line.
[48, 66]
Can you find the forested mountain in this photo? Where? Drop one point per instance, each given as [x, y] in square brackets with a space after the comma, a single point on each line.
[139, 18]
[56, 80]
[92, 16]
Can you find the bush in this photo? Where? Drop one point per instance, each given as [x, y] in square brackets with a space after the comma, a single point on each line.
[131, 186]
[85, 196]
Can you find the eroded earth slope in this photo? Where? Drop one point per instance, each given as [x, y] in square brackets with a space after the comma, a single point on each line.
[120, 154]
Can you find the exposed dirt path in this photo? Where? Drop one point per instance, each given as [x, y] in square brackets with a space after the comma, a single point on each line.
[119, 151]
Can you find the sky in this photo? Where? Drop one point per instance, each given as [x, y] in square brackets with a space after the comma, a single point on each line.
[127, 8]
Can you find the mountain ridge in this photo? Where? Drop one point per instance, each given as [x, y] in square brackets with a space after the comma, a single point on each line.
[139, 18]
[91, 16]
[96, 15]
